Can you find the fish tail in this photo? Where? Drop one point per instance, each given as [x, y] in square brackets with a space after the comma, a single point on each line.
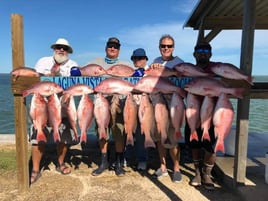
[130, 140]
[219, 147]
[250, 80]
[56, 136]
[25, 93]
[205, 136]
[238, 92]
[83, 137]
[178, 135]
[41, 137]
[102, 135]
[149, 143]
[194, 136]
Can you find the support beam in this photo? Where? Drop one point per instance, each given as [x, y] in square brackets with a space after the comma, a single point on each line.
[243, 105]
[20, 106]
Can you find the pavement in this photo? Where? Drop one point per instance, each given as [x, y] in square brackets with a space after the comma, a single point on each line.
[255, 188]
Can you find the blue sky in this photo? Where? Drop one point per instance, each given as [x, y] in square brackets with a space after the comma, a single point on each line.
[87, 25]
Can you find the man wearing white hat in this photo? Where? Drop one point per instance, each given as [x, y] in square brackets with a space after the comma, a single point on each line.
[57, 65]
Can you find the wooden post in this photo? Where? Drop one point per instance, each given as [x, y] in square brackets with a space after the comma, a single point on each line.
[240, 162]
[20, 106]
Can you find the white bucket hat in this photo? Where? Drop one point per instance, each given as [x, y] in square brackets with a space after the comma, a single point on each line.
[62, 41]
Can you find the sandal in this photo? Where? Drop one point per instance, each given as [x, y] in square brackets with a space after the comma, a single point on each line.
[35, 175]
[62, 167]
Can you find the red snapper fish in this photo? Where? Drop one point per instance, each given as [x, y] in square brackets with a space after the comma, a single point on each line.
[206, 114]
[44, 88]
[190, 70]
[54, 115]
[147, 120]
[155, 84]
[120, 70]
[92, 70]
[24, 71]
[78, 90]
[211, 87]
[85, 114]
[39, 115]
[177, 113]
[102, 114]
[69, 110]
[130, 115]
[115, 109]
[230, 71]
[163, 72]
[193, 105]
[222, 121]
[114, 85]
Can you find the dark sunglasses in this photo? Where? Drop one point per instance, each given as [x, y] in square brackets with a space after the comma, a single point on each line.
[59, 47]
[202, 50]
[138, 58]
[164, 46]
[115, 46]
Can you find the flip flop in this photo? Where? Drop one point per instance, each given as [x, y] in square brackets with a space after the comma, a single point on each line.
[61, 168]
[35, 175]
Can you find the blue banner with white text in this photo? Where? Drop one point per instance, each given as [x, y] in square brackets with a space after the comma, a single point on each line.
[66, 82]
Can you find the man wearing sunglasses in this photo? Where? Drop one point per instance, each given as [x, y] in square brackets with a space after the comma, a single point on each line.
[57, 65]
[167, 61]
[202, 151]
[112, 50]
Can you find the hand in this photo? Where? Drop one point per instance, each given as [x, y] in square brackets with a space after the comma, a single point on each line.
[156, 66]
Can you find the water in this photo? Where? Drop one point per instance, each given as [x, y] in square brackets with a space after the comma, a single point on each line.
[258, 115]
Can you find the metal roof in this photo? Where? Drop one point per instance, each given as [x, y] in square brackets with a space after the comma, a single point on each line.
[225, 14]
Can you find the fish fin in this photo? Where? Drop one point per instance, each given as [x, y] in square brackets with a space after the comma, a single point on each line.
[194, 136]
[250, 80]
[205, 136]
[130, 140]
[219, 147]
[56, 136]
[25, 93]
[41, 137]
[178, 135]
[83, 137]
[238, 92]
[149, 143]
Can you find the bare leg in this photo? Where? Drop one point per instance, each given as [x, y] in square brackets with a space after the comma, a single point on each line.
[37, 153]
[62, 150]
[162, 151]
[174, 154]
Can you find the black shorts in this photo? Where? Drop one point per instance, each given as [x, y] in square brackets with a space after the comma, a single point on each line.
[66, 134]
[207, 145]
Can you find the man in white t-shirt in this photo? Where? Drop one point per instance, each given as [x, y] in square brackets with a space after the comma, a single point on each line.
[57, 65]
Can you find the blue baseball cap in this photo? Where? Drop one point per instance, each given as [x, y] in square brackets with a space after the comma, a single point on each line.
[140, 52]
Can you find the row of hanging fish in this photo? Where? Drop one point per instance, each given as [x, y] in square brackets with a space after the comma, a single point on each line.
[185, 69]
